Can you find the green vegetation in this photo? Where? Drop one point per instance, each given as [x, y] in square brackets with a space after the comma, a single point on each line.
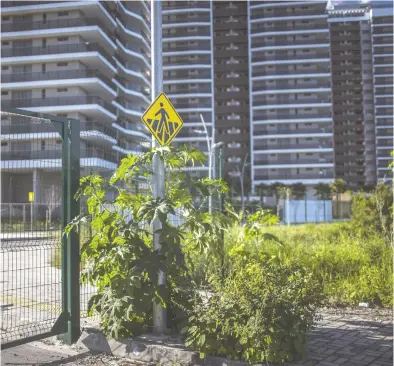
[264, 283]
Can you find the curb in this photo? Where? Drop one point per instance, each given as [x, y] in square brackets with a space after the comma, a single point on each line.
[149, 349]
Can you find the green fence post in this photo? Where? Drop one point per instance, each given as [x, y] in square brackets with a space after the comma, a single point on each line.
[73, 250]
[70, 243]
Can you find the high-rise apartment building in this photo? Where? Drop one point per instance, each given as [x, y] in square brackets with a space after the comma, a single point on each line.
[290, 93]
[382, 61]
[188, 74]
[232, 86]
[302, 88]
[84, 60]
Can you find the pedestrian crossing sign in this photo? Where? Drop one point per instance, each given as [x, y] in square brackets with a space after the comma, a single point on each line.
[162, 120]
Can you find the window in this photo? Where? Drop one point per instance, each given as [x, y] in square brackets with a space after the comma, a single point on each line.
[44, 18]
[62, 64]
[43, 93]
[4, 67]
[4, 93]
[58, 141]
[43, 68]
[42, 145]
[62, 90]
[62, 13]
[62, 39]
[4, 144]
[5, 43]
[62, 114]
[44, 43]
[5, 18]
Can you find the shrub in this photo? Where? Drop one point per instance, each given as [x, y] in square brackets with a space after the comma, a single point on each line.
[119, 258]
[261, 311]
[373, 212]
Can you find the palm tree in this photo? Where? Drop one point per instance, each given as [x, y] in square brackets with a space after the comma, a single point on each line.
[263, 190]
[338, 188]
[322, 192]
[298, 192]
[277, 189]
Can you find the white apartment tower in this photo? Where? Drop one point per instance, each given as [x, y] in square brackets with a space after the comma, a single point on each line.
[382, 53]
[290, 94]
[88, 60]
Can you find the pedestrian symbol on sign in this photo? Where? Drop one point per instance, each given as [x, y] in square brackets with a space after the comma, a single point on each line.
[162, 120]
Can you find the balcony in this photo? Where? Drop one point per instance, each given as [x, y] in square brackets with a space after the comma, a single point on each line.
[60, 101]
[291, 145]
[284, 27]
[289, 161]
[55, 75]
[186, 5]
[53, 24]
[7, 4]
[58, 49]
[289, 131]
[48, 128]
[294, 175]
[56, 154]
[181, 33]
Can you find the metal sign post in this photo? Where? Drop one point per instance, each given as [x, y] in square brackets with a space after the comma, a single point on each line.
[159, 313]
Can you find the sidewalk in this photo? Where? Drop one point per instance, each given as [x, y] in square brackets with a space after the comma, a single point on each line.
[360, 337]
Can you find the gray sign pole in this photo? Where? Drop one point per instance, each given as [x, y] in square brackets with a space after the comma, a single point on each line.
[159, 313]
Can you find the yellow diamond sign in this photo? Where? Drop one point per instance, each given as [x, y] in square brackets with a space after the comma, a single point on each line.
[162, 120]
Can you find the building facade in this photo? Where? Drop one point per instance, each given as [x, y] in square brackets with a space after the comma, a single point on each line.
[300, 90]
[84, 60]
[188, 74]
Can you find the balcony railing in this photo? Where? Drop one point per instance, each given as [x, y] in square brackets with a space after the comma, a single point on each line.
[286, 57]
[182, 33]
[56, 154]
[6, 4]
[272, 87]
[51, 24]
[55, 75]
[292, 161]
[279, 131]
[284, 27]
[57, 49]
[187, 5]
[45, 128]
[72, 100]
[294, 175]
[282, 146]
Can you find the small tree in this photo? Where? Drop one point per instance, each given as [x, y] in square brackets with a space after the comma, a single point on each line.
[323, 192]
[338, 188]
[120, 260]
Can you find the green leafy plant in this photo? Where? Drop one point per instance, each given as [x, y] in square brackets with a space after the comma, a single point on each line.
[119, 257]
[373, 212]
[261, 312]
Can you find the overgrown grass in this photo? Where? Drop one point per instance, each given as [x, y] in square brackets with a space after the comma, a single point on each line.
[352, 268]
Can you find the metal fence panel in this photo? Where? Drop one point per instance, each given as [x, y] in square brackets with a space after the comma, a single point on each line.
[36, 182]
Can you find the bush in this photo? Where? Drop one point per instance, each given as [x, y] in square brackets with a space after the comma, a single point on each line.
[350, 267]
[119, 257]
[261, 311]
[373, 212]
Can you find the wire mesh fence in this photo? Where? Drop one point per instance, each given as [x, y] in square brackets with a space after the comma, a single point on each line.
[31, 288]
